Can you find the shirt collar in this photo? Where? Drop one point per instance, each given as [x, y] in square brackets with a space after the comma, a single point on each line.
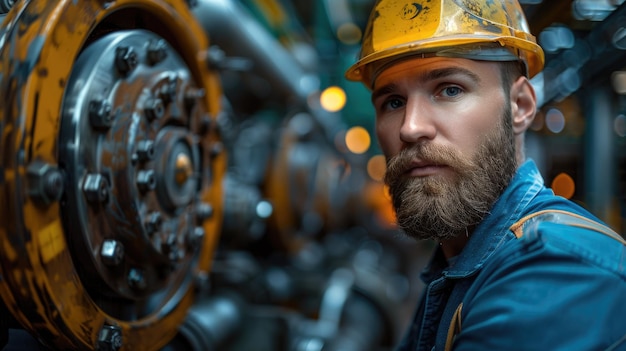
[493, 231]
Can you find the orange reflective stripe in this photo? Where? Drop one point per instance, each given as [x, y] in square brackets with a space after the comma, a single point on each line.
[455, 327]
[565, 217]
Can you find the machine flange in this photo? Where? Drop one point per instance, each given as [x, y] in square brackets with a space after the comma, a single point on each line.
[111, 170]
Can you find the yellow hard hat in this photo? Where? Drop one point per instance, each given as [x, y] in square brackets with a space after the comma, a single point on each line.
[491, 30]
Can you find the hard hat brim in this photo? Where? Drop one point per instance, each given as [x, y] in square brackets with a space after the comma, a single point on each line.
[462, 46]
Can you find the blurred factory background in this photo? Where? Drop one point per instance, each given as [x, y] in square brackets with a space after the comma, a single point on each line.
[198, 175]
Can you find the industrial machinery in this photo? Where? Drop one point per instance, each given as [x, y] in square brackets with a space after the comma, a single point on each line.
[168, 185]
[112, 170]
[169, 180]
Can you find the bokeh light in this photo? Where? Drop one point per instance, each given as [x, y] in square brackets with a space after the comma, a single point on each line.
[358, 140]
[555, 121]
[564, 185]
[555, 38]
[349, 33]
[618, 79]
[333, 99]
[376, 167]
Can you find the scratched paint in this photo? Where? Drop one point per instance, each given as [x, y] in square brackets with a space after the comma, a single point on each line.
[51, 241]
[46, 294]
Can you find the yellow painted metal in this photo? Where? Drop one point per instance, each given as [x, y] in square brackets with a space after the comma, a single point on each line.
[39, 41]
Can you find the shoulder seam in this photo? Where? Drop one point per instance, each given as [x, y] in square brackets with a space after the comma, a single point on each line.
[564, 217]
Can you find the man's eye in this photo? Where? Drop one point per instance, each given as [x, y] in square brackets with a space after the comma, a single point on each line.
[451, 91]
[392, 104]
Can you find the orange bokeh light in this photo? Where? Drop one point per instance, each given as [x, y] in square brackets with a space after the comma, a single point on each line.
[358, 140]
[564, 185]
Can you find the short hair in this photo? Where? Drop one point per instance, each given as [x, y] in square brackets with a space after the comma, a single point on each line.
[510, 71]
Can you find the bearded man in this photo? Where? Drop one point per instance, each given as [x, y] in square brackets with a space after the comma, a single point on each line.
[516, 268]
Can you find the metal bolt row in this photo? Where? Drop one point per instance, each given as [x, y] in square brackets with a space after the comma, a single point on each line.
[126, 58]
[97, 189]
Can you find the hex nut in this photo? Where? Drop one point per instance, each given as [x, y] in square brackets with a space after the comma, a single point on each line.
[145, 150]
[112, 252]
[45, 182]
[195, 237]
[109, 338]
[137, 279]
[154, 222]
[100, 115]
[204, 211]
[154, 109]
[169, 90]
[126, 59]
[96, 188]
[146, 180]
[156, 52]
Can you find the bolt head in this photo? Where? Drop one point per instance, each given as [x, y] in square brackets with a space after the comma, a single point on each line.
[195, 237]
[145, 150]
[137, 279]
[146, 180]
[45, 182]
[109, 338]
[157, 51]
[112, 252]
[154, 109]
[96, 188]
[168, 91]
[154, 222]
[204, 211]
[126, 59]
[100, 115]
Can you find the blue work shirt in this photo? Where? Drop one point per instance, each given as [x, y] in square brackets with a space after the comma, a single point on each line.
[558, 287]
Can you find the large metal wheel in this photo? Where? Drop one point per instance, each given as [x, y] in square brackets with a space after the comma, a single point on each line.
[111, 170]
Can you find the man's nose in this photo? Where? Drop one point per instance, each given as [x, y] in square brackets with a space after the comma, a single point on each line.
[418, 121]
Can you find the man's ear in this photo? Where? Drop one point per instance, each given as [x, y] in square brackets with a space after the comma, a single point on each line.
[523, 104]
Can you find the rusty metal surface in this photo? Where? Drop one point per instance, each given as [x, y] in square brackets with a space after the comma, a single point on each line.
[76, 232]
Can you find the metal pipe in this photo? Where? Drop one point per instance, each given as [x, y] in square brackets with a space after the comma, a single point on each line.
[591, 57]
[210, 322]
[231, 27]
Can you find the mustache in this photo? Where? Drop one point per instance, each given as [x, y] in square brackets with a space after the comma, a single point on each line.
[401, 163]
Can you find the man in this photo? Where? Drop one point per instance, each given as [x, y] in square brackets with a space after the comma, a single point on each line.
[517, 268]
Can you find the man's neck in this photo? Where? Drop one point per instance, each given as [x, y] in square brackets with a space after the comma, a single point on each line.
[453, 247]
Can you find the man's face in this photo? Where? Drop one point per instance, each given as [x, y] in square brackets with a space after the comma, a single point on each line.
[445, 128]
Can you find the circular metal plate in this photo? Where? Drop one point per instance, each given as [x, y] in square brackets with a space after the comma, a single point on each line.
[111, 187]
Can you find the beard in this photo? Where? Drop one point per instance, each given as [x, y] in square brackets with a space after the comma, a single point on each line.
[441, 207]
